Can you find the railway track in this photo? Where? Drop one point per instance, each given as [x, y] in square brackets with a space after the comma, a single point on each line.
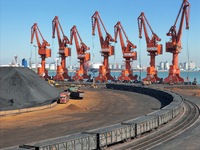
[170, 130]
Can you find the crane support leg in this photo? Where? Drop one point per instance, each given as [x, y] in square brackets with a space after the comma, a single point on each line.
[123, 76]
[174, 71]
[104, 71]
[174, 76]
[65, 70]
[133, 77]
[151, 75]
[59, 74]
[85, 76]
[151, 71]
[102, 74]
[129, 72]
[77, 77]
[81, 73]
[107, 73]
[42, 72]
[65, 74]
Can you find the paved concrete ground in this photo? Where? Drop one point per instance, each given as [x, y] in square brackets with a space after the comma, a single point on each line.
[100, 107]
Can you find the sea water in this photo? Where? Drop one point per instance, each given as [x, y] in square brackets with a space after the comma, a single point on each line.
[161, 74]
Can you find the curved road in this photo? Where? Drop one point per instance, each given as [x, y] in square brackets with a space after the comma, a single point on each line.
[100, 107]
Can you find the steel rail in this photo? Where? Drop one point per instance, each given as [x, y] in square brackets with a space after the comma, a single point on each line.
[189, 117]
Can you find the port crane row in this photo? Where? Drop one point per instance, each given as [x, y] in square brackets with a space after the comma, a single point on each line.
[128, 49]
[65, 51]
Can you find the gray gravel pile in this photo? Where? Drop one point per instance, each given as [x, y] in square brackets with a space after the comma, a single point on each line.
[21, 87]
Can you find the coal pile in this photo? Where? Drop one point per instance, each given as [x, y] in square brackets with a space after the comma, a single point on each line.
[21, 88]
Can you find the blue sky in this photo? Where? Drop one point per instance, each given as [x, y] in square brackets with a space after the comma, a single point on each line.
[17, 17]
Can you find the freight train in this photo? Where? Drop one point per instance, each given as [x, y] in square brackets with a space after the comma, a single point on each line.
[124, 131]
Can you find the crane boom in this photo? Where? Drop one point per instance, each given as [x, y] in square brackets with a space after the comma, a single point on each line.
[43, 51]
[174, 45]
[55, 27]
[176, 36]
[118, 29]
[128, 54]
[152, 47]
[151, 42]
[34, 31]
[64, 50]
[82, 55]
[106, 49]
[95, 22]
[81, 48]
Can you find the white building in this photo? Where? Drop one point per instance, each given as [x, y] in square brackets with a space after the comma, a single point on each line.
[47, 66]
[185, 66]
[52, 66]
[166, 65]
[33, 66]
[162, 65]
[192, 65]
[95, 65]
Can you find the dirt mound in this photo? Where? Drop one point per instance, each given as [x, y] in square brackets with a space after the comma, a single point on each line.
[21, 87]
[73, 107]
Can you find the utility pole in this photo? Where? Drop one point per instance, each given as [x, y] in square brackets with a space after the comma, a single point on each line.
[35, 57]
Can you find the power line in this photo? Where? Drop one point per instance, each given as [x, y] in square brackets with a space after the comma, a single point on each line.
[140, 65]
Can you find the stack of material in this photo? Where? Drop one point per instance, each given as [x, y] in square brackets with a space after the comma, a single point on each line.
[21, 87]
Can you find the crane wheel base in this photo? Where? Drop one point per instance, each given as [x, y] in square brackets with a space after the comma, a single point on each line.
[66, 76]
[123, 78]
[78, 78]
[152, 78]
[133, 77]
[85, 76]
[175, 78]
[101, 78]
[58, 77]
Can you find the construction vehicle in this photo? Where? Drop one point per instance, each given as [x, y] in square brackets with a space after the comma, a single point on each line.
[82, 55]
[128, 53]
[153, 49]
[75, 92]
[52, 82]
[64, 50]
[43, 51]
[106, 49]
[174, 45]
[63, 98]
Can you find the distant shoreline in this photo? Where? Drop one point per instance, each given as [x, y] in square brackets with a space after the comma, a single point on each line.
[118, 70]
[157, 70]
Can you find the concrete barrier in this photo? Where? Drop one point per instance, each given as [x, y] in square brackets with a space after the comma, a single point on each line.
[24, 110]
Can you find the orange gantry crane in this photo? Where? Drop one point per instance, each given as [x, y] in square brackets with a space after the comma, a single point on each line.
[128, 53]
[174, 46]
[153, 48]
[82, 55]
[64, 50]
[106, 49]
[43, 51]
